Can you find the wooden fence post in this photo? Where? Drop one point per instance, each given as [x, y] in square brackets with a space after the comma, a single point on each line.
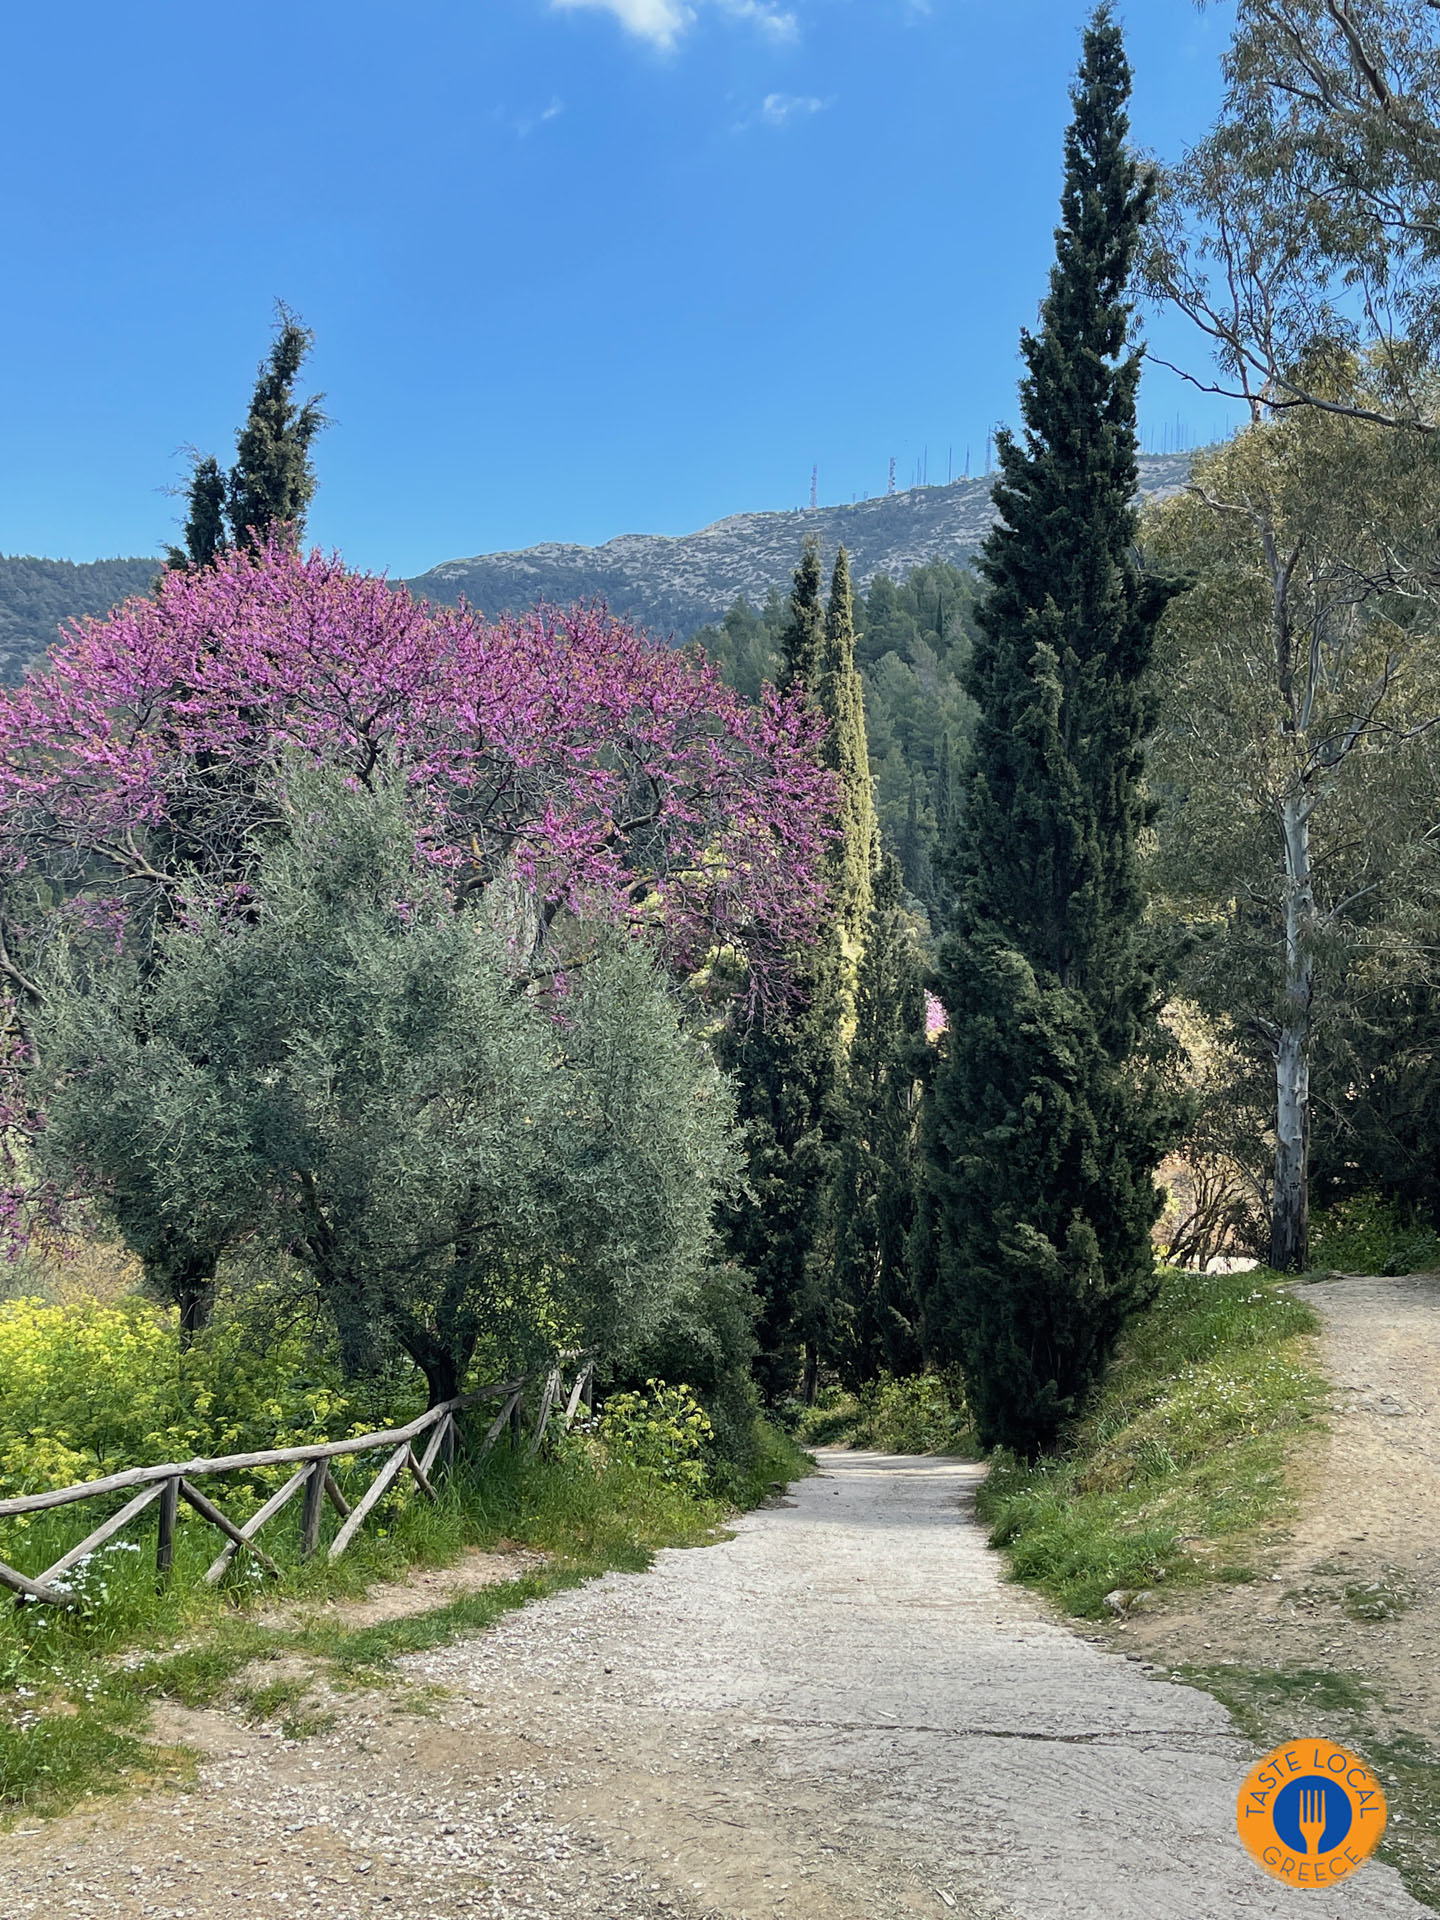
[313, 1509]
[542, 1419]
[165, 1533]
[497, 1426]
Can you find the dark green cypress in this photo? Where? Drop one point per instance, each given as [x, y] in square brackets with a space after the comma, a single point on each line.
[791, 1068]
[914, 855]
[802, 644]
[944, 795]
[877, 1314]
[1046, 1123]
[273, 482]
[204, 519]
[268, 490]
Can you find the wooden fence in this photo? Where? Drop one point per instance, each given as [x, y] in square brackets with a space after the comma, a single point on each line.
[164, 1487]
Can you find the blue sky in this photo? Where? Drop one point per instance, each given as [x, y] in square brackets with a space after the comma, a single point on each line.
[576, 267]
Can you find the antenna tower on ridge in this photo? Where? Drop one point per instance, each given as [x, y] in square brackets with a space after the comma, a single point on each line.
[891, 487]
[815, 485]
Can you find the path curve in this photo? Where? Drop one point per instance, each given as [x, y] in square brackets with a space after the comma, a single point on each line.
[1369, 1516]
[842, 1713]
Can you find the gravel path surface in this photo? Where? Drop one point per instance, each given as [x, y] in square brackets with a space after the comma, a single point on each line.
[840, 1714]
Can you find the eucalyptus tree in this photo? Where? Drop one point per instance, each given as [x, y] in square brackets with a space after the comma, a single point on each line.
[1307, 223]
[1301, 684]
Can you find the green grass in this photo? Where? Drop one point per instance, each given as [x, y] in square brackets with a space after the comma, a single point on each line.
[924, 1414]
[1181, 1460]
[76, 1687]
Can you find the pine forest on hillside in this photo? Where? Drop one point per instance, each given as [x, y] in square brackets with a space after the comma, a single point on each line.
[912, 643]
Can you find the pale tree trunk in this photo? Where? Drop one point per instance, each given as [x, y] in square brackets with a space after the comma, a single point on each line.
[1290, 1210]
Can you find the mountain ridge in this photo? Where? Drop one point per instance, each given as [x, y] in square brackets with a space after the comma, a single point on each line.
[672, 584]
[676, 583]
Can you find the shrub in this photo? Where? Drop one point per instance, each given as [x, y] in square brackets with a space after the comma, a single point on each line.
[709, 1339]
[923, 1413]
[661, 1431]
[87, 1389]
[1371, 1233]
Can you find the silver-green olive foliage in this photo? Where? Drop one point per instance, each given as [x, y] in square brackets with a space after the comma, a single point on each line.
[343, 1065]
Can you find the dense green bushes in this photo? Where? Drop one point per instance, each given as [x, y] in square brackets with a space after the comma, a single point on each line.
[924, 1413]
[707, 1340]
[1372, 1233]
[87, 1389]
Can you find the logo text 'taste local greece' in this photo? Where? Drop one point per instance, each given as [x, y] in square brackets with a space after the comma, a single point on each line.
[1311, 1813]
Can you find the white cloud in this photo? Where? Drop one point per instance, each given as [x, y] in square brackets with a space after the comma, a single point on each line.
[659, 21]
[662, 22]
[552, 112]
[769, 19]
[779, 109]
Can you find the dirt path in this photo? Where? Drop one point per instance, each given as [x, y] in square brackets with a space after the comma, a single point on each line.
[1349, 1595]
[1355, 1582]
[840, 1714]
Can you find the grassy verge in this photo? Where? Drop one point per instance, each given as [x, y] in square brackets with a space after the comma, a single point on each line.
[76, 1689]
[925, 1414]
[1181, 1460]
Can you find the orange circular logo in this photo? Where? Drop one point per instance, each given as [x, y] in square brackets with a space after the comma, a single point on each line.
[1311, 1813]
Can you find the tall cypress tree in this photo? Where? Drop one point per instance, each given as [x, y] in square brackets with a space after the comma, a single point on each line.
[944, 796]
[1045, 1124]
[872, 1203]
[802, 642]
[272, 482]
[269, 489]
[204, 518]
[840, 695]
[791, 1068]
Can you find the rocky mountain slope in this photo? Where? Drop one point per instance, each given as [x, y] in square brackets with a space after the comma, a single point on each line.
[670, 584]
[676, 584]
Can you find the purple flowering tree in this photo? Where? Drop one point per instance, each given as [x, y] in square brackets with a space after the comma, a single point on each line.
[568, 767]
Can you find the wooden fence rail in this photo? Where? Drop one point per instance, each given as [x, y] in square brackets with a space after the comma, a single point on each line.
[166, 1486]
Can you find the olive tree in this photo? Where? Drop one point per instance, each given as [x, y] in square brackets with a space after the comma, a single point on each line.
[338, 1061]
